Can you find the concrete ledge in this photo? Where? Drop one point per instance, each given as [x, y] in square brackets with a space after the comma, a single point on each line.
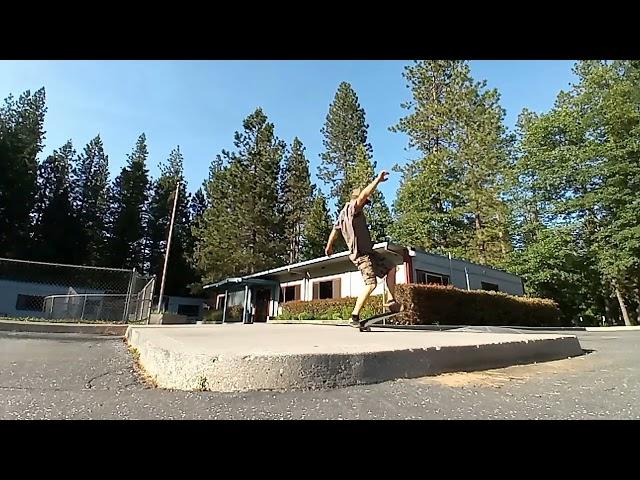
[620, 328]
[56, 327]
[286, 357]
[429, 327]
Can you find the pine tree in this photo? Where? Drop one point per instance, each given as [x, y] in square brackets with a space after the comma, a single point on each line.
[451, 198]
[242, 228]
[57, 231]
[128, 212]
[429, 205]
[345, 129]
[90, 193]
[214, 233]
[21, 141]
[295, 199]
[198, 206]
[484, 156]
[316, 229]
[179, 271]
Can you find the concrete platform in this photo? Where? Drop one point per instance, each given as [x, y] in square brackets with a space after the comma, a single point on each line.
[235, 357]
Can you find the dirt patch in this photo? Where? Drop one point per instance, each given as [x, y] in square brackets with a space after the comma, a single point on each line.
[517, 374]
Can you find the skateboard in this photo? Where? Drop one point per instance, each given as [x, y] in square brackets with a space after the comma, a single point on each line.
[365, 325]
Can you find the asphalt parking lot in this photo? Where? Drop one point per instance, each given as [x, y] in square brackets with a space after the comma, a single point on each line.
[72, 376]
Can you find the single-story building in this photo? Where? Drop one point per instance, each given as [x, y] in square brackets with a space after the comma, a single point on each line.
[260, 295]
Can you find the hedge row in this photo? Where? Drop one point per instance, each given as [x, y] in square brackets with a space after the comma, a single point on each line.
[436, 304]
[329, 309]
[446, 305]
[234, 314]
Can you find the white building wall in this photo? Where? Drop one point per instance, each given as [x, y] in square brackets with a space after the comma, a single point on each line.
[455, 269]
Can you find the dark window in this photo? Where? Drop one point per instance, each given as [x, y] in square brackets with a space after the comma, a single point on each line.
[326, 289]
[490, 286]
[430, 277]
[290, 293]
[188, 310]
[29, 302]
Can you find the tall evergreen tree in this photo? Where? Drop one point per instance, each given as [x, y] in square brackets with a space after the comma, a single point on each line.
[214, 233]
[128, 213]
[197, 206]
[90, 193]
[295, 199]
[484, 156]
[179, 271]
[317, 228]
[242, 230]
[57, 232]
[451, 198]
[344, 130]
[429, 205]
[21, 141]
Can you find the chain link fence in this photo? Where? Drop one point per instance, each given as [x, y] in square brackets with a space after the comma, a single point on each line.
[59, 292]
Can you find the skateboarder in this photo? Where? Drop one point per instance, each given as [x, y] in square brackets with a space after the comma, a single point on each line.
[353, 226]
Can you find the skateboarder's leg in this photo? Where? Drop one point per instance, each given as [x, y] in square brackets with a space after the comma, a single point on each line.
[391, 284]
[364, 294]
[385, 267]
[365, 266]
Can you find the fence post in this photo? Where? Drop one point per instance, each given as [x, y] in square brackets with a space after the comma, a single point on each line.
[84, 304]
[127, 302]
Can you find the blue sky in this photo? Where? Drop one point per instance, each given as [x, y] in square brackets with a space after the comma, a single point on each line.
[200, 104]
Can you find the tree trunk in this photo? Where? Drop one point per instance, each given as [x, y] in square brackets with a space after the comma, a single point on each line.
[623, 307]
[638, 305]
[481, 243]
[606, 296]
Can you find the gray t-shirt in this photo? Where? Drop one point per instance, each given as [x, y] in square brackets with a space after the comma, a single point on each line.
[353, 225]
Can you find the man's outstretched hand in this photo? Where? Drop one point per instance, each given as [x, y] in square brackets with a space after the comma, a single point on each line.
[383, 176]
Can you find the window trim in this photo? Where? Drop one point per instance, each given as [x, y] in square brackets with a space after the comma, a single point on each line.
[297, 293]
[336, 288]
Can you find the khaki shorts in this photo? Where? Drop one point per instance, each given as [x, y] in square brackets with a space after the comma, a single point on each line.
[373, 265]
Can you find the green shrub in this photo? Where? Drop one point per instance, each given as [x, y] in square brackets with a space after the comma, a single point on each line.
[329, 309]
[234, 314]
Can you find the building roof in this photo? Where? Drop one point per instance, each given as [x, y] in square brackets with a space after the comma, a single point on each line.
[335, 258]
[301, 266]
[238, 282]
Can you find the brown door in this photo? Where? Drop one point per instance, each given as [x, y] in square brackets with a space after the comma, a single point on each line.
[263, 297]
